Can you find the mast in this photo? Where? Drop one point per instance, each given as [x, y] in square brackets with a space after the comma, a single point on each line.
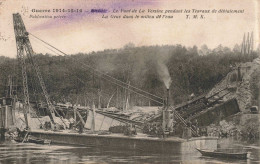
[127, 97]
[93, 125]
[20, 36]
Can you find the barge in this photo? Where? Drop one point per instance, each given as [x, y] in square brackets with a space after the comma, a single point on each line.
[139, 142]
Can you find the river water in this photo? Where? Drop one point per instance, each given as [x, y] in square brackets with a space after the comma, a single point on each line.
[25, 153]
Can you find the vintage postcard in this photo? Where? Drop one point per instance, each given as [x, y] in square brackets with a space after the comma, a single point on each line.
[133, 81]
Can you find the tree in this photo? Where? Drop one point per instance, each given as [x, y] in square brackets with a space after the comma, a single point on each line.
[204, 50]
[129, 45]
[237, 49]
[226, 50]
[218, 50]
[258, 50]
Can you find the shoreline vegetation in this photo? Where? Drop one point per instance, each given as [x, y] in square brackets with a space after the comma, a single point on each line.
[193, 72]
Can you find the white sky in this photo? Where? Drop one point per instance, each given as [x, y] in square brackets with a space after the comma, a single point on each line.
[89, 32]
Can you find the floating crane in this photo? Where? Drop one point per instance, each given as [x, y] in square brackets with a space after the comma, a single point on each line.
[24, 49]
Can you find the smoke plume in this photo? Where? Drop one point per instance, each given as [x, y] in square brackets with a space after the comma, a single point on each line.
[162, 57]
[164, 73]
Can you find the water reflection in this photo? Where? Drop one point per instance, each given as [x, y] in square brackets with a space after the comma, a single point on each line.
[33, 153]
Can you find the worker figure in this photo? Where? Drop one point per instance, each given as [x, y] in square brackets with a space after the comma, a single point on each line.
[71, 124]
[22, 133]
[127, 130]
[55, 127]
[133, 130]
[85, 115]
[41, 126]
[174, 123]
[80, 126]
[130, 130]
[160, 132]
[47, 125]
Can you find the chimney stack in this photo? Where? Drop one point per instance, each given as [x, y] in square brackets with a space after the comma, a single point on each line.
[167, 99]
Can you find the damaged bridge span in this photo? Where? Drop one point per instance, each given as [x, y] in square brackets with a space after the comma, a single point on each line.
[213, 106]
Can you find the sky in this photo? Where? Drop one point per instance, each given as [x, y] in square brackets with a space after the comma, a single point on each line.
[86, 32]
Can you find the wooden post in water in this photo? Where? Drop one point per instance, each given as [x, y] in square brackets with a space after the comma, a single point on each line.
[6, 115]
[2, 129]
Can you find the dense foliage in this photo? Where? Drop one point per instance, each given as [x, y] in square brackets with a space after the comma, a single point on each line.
[69, 79]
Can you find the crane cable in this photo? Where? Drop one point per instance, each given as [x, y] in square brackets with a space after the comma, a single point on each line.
[38, 43]
[109, 76]
[125, 87]
[96, 70]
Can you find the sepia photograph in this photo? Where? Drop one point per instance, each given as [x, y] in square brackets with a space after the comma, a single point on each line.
[133, 81]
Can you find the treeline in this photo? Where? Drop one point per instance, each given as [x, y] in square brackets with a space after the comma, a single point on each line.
[192, 71]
